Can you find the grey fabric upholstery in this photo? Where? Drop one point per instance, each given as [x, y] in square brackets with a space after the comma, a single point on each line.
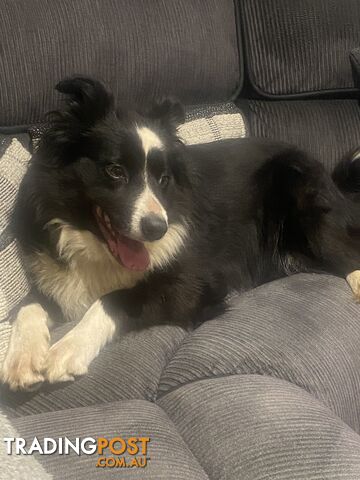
[300, 47]
[240, 426]
[141, 49]
[304, 329]
[253, 427]
[328, 129]
[170, 458]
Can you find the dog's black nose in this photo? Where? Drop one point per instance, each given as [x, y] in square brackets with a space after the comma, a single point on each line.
[153, 227]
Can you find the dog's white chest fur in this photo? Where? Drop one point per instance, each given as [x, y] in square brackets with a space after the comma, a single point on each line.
[86, 271]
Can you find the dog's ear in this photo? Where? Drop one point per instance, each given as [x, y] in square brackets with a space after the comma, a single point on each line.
[169, 112]
[87, 103]
[88, 100]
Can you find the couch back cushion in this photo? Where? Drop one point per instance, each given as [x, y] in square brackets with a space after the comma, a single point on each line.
[300, 47]
[140, 48]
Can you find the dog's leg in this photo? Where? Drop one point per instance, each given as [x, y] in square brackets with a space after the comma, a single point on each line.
[72, 354]
[163, 300]
[28, 348]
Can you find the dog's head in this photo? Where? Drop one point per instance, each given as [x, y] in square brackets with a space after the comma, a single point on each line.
[126, 168]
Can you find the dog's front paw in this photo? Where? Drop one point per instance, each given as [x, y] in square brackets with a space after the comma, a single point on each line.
[66, 360]
[25, 362]
[353, 280]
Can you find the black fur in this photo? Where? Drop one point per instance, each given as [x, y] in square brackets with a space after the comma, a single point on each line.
[256, 210]
[347, 175]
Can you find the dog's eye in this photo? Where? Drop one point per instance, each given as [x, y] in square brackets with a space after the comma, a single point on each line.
[117, 172]
[164, 180]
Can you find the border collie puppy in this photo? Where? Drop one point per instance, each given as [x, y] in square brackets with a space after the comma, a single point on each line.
[122, 226]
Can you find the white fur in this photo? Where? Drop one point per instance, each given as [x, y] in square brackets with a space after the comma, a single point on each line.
[147, 202]
[28, 348]
[149, 139]
[353, 280]
[88, 270]
[356, 156]
[163, 251]
[72, 354]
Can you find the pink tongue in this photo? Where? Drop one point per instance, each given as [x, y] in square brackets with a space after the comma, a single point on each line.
[132, 254]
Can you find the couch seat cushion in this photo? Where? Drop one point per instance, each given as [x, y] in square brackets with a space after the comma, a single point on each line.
[169, 456]
[253, 427]
[304, 329]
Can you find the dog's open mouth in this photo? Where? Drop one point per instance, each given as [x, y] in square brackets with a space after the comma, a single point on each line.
[130, 253]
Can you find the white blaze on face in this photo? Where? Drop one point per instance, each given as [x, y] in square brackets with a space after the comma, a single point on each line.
[149, 140]
[146, 202]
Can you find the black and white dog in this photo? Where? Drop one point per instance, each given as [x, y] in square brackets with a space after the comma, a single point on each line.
[122, 226]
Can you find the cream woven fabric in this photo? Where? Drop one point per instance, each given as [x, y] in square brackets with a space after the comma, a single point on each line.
[13, 282]
[212, 123]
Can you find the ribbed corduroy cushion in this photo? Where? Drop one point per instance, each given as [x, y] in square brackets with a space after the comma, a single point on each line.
[252, 427]
[139, 48]
[328, 129]
[304, 329]
[169, 456]
[295, 47]
[246, 427]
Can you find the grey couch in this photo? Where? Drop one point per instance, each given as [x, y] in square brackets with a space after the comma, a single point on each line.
[269, 389]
